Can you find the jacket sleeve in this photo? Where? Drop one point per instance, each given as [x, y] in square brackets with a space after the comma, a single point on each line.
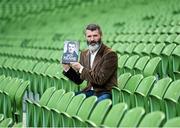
[105, 71]
[73, 75]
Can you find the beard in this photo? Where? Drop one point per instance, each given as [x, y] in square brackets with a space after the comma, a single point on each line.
[94, 45]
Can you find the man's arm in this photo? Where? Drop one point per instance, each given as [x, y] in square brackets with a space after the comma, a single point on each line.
[73, 75]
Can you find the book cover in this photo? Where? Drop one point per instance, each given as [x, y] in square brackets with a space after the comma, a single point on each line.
[70, 53]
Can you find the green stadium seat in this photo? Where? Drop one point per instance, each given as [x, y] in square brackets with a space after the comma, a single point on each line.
[116, 94]
[140, 96]
[153, 119]
[171, 98]
[157, 93]
[174, 122]
[130, 87]
[84, 111]
[115, 115]
[132, 117]
[98, 114]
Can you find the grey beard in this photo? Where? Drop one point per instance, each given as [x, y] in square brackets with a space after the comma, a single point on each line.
[93, 48]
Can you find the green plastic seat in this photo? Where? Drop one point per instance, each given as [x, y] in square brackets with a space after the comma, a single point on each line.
[1, 117]
[170, 39]
[140, 64]
[60, 107]
[130, 48]
[8, 122]
[174, 122]
[153, 119]
[148, 48]
[139, 48]
[98, 114]
[130, 87]
[128, 66]
[165, 55]
[157, 93]
[121, 61]
[141, 93]
[122, 80]
[115, 115]
[171, 99]
[152, 67]
[156, 51]
[72, 109]
[132, 117]
[177, 40]
[19, 98]
[84, 111]
[34, 108]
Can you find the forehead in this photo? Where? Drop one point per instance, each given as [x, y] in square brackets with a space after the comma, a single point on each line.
[89, 32]
[71, 44]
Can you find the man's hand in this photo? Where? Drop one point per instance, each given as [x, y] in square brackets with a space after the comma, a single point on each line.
[66, 67]
[76, 65]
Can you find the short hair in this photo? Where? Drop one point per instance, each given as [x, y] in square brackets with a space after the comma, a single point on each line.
[93, 27]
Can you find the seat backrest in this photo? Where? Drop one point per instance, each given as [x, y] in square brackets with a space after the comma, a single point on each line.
[147, 50]
[158, 48]
[139, 48]
[100, 111]
[160, 87]
[115, 115]
[176, 51]
[133, 82]
[132, 117]
[168, 49]
[75, 103]
[131, 61]
[174, 122]
[122, 80]
[151, 66]
[140, 64]
[146, 85]
[86, 107]
[20, 93]
[6, 122]
[55, 98]
[122, 60]
[1, 117]
[4, 83]
[153, 119]
[12, 87]
[46, 96]
[172, 92]
[64, 102]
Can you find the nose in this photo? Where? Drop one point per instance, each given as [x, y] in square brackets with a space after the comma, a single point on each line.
[92, 38]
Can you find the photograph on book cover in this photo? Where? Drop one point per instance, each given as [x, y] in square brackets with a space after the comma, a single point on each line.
[70, 53]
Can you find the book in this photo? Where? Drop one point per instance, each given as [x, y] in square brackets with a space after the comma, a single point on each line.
[70, 53]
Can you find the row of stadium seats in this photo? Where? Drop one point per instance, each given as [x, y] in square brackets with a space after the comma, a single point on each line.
[145, 34]
[41, 75]
[152, 94]
[59, 109]
[12, 91]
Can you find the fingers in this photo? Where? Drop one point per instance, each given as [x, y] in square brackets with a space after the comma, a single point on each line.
[75, 65]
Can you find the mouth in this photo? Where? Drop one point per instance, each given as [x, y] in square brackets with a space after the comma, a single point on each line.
[92, 44]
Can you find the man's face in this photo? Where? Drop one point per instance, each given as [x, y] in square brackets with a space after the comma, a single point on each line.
[71, 48]
[93, 37]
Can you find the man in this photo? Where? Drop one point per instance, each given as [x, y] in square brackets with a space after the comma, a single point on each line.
[70, 55]
[98, 66]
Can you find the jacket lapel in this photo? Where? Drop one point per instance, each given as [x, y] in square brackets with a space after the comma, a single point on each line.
[88, 60]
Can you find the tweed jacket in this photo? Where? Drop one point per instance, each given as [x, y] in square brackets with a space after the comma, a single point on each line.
[103, 74]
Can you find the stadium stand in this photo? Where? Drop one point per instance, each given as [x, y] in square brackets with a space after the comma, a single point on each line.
[144, 34]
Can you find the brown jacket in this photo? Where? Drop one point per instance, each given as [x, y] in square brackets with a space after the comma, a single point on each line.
[103, 74]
